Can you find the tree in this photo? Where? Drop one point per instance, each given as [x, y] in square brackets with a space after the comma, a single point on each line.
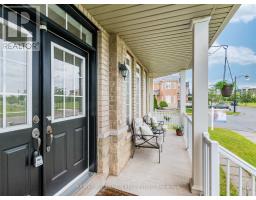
[212, 96]
[163, 104]
[246, 97]
[155, 103]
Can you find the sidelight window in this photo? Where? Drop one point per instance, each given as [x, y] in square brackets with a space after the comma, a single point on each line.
[68, 84]
[138, 90]
[128, 62]
[15, 78]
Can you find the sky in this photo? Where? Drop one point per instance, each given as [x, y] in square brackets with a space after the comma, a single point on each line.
[240, 36]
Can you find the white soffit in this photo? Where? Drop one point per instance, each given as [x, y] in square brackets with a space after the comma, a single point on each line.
[160, 35]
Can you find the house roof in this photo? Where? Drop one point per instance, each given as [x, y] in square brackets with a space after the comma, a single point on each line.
[160, 35]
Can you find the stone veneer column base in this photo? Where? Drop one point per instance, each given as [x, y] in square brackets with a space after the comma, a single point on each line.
[120, 152]
[103, 155]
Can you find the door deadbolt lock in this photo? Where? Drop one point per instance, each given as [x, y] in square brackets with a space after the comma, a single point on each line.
[35, 133]
[35, 119]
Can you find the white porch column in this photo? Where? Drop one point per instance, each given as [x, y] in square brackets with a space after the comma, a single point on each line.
[150, 95]
[183, 92]
[200, 98]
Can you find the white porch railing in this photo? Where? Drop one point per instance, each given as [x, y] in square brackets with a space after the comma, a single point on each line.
[187, 123]
[169, 117]
[213, 155]
[211, 167]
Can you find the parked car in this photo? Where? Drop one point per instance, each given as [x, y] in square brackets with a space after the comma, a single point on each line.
[222, 106]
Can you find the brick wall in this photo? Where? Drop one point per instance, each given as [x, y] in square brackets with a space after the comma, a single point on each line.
[114, 139]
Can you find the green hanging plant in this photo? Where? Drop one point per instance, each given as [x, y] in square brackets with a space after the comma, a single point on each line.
[225, 88]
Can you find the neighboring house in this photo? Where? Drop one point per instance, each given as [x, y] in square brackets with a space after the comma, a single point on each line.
[169, 90]
[250, 90]
[65, 97]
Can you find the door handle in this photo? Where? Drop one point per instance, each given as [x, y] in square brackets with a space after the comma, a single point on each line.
[49, 138]
[37, 140]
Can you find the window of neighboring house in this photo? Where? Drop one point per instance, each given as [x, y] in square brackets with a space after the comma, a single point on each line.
[173, 85]
[168, 85]
[128, 62]
[138, 90]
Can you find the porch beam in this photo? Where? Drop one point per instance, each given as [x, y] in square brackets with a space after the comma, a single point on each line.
[200, 28]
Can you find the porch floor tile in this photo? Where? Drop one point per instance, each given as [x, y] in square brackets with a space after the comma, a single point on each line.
[143, 175]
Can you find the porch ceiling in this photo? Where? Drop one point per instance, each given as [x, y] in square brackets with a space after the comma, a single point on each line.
[160, 35]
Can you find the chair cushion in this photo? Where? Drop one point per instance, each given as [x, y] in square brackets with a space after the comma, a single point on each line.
[147, 119]
[137, 124]
[154, 122]
[145, 130]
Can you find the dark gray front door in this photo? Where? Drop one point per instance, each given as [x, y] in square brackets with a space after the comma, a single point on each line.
[19, 104]
[64, 112]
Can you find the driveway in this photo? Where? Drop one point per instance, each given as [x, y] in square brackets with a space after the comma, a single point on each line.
[245, 123]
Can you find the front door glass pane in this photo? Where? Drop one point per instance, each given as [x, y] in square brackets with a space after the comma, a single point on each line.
[87, 36]
[69, 74]
[58, 72]
[56, 14]
[70, 69]
[78, 106]
[16, 72]
[15, 78]
[16, 110]
[78, 77]
[73, 26]
[69, 106]
[58, 107]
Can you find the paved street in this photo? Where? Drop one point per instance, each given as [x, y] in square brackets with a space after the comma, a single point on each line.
[245, 123]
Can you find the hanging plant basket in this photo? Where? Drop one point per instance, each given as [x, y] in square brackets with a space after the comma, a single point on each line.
[227, 90]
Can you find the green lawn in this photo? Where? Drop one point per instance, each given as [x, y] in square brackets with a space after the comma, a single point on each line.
[189, 111]
[233, 190]
[237, 144]
[248, 104]
[232, 113]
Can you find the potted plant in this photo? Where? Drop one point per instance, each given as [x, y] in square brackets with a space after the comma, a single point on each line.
[179, 130]
[225, 88]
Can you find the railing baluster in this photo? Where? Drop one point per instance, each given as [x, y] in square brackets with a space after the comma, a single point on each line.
[240, 186]
[253, 185]
[215, 169]
[208, 169]
[228, 178]
[211, 166]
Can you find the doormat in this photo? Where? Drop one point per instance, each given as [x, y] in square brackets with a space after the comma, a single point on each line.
[108, 191]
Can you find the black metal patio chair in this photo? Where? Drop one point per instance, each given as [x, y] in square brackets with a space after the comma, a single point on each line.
[158, 127]
[143, 137]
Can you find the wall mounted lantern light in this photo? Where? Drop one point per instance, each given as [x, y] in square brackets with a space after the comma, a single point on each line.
[123, 69]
